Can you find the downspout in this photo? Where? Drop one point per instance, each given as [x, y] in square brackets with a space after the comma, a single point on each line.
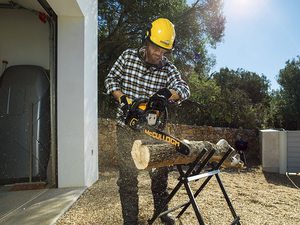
[53, 179]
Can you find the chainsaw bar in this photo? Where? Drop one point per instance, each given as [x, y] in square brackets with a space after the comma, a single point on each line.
[146, 119]
[162, 136]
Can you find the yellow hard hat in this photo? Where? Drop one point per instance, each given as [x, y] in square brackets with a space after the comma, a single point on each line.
[162, 33]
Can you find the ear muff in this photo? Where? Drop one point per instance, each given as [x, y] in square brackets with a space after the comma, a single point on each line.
[174, 44]
[148, 32]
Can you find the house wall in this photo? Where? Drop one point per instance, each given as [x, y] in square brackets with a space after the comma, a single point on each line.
[90, 103]
[274, 150]
[24, 38]
[270, 146]
[293, 153]
[77, 130]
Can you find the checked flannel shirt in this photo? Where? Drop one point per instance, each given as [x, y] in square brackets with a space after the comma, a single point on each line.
[136, 79]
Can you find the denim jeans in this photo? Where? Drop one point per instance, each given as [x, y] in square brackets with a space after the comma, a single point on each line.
[128, 177]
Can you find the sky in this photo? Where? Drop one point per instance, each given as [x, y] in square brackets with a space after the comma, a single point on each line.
[260, 36]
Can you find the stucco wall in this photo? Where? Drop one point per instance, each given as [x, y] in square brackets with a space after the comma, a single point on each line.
[24, 38]
[77, 131]
[107, 138]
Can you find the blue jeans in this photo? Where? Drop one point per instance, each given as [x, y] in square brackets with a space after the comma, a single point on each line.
[128, 174]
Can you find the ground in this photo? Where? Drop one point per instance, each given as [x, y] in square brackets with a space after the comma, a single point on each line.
[259, 198]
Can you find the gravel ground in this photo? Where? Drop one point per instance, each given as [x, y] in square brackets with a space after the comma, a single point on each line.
[258, 198]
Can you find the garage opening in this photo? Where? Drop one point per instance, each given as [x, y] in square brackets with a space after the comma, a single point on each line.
[28, 92]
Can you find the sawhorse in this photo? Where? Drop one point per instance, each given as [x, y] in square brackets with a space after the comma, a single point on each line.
[194, 173]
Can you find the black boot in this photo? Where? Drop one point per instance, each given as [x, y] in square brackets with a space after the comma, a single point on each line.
[128, 174]
[129, 197]
[159, 183]
[129, 205]
[160, 207]
[167, 219]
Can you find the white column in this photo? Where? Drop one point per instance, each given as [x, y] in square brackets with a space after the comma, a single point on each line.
[282, 152]
[91, 93]
[77, 129]
[70, 101]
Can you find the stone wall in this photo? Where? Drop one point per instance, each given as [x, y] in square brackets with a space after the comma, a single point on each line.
[107, 143]
[107, 138]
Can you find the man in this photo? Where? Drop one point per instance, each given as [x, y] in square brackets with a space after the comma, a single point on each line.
[241, 146]
[140, 73]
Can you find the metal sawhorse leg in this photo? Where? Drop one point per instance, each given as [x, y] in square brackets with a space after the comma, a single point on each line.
[194, 174]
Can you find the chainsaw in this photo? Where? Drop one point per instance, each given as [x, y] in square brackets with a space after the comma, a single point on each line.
[146, 116]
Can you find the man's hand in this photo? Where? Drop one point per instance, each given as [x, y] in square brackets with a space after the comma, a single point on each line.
[125, 104]
[159, 100]
[164, 92]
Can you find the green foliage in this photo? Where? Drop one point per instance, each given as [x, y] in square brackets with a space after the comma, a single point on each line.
[274, 117]
[198, 109]
[122, 24]
[206, 93]
[228, 99]
[288, 99]
[255, 86]
[243, 98]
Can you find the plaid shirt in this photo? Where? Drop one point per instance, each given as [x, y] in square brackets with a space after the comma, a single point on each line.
[131, 75]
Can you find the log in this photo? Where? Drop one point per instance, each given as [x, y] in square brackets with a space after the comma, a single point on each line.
[154, 155]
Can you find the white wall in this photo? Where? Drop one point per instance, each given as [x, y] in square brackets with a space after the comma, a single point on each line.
[70, 99]
[293, 153]
[270, 150]
[24, 39]
[274, 150]
[77, 92]
[91, 92]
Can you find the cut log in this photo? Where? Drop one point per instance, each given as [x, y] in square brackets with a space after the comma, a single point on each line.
[147, 156]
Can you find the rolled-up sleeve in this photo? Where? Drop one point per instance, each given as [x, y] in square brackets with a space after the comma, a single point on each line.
[176, 83]
[114, 77]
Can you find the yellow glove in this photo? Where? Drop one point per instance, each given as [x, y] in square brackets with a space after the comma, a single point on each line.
[125, 103]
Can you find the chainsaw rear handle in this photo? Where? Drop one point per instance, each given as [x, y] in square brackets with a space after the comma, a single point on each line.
[164, 92]
[159, 100]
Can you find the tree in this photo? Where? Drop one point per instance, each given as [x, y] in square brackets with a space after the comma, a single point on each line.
[244, 98]
[289, 79]
[275, 115]
[122, 24]
[201, 108]
[228, 99]
[255, 86]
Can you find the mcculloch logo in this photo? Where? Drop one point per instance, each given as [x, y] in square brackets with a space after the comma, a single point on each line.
[162, 137]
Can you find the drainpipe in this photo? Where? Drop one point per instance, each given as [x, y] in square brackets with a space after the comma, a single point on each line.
[282, 151]
[52, 20]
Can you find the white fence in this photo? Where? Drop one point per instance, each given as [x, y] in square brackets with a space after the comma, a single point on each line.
[293, 151]
[280, 151]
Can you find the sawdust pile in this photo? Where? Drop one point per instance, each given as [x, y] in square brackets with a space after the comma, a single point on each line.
[257, 197]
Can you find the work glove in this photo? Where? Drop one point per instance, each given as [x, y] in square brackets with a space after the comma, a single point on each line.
[125, 104]
[159, 100]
